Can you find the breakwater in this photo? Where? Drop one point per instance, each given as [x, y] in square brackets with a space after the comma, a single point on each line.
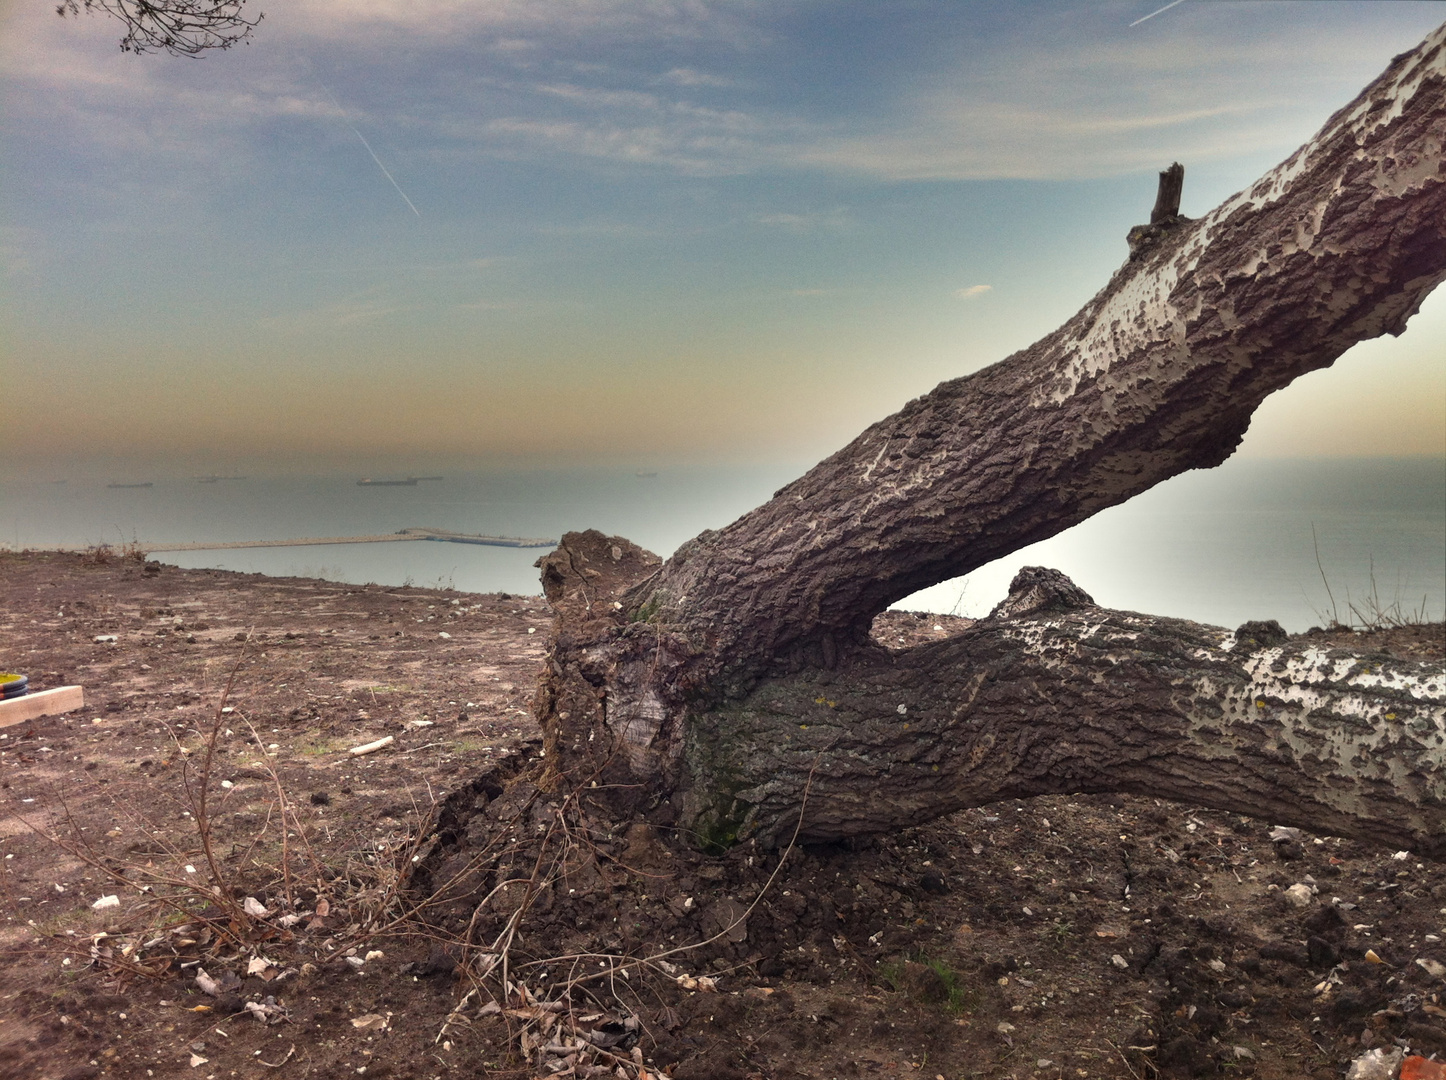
[442, 535]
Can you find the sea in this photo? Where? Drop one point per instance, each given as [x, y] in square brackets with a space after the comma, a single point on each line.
[1302, 541]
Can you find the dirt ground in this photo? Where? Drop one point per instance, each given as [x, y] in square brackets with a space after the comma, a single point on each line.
[1056, 938]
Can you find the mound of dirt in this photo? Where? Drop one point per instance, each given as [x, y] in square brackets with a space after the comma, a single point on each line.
[325, 914]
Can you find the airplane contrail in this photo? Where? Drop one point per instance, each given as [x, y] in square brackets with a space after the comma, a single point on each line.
[1137, 22]
[373, 153]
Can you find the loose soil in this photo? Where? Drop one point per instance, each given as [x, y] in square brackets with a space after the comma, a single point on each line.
[1056, 938]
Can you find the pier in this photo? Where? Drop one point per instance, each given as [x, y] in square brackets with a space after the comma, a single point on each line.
[442, 535]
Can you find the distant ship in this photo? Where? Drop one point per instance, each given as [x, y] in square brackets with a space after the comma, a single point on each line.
[213, 479]
[410, 481]
[146, 484]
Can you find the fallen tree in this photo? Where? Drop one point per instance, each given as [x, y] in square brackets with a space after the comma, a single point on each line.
[733, 690]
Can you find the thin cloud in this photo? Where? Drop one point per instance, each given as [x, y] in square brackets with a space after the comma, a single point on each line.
[337, 316]
[802, 223]
[1093, 106]
[973, 292]
[478, 306]
[514, 20]
[682, 76]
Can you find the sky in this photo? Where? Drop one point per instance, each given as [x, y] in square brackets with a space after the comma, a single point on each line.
[434, 232]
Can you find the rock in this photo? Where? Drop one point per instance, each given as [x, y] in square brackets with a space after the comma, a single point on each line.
[1379, 1064]
[1300, 895]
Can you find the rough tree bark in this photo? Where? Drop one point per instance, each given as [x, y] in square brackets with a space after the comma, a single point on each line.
[712, 690]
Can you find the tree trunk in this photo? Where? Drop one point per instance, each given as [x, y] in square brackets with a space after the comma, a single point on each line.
[705, 690]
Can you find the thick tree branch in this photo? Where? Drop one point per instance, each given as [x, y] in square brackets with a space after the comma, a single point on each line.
[1066, 697]
[1158, 374]
[699, 692]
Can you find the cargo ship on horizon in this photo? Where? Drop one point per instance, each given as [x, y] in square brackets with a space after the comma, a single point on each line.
[411, 481]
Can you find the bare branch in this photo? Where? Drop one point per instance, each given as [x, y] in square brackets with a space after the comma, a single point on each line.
[179, 27]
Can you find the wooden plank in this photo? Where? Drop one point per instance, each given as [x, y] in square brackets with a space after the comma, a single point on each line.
[62, 699]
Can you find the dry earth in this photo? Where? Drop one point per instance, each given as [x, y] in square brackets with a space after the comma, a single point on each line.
[1058, 938]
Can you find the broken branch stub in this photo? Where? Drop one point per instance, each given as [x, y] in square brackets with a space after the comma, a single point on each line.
[1167, 197]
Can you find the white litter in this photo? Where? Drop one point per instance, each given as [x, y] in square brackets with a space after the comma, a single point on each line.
[1376, 1065]
[105, 902]
[372, 747]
